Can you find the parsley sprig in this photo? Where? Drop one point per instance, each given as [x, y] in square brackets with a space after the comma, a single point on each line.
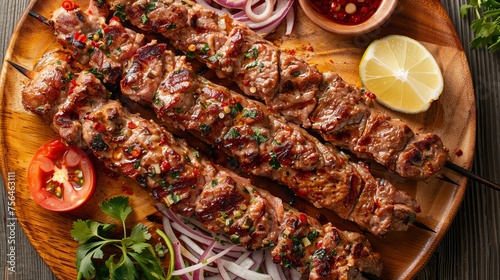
[486, 25]
[138, 258]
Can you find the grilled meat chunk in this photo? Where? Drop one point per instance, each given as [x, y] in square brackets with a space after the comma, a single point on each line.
[43, 93]
[192, 186]
[339, 112]
[265, 144]
[104, 47]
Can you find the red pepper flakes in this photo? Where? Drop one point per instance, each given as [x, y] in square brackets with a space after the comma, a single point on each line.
[127, 190]
[246, 83]
[459, 152]
[196, 172]
[115, 18]
[319, 245]
[163, 139]
[348, 12]
[303, 217]
[308, 47]
[131, 125]
[292, 52]
[136, 152]
[100, 127]
[232, 101]
[165, 166]
[331, 61]
[370, 95]
[80, 37]
[68, 5]
[302, 192]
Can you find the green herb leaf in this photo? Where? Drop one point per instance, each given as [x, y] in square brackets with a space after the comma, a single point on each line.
[138, 259]
[116, 207]
[486, 25]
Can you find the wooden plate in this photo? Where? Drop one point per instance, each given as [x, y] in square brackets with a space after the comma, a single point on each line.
[404, 253]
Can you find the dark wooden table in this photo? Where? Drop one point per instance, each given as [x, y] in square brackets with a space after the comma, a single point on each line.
[470, 249]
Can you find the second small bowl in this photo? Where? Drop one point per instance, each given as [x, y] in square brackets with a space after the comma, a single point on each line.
[381, 15]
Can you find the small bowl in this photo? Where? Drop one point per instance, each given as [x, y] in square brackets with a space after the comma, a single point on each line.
[381, 15]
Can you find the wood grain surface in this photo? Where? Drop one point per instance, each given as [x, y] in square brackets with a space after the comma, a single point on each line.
[405, 253]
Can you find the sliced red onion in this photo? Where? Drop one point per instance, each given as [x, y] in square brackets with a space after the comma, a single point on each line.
[245, 273]
[257, 16]
[271, 268]
[258, 257]
[282, 8]
[232, 4]
[192, 245]
[179, 264]
[269, 4]
[223, 271]
[198, 274]
[290, 20]
[206, 254]
[202, 264]
[243, 257]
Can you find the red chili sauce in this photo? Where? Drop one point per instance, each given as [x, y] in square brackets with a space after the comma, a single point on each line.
[348, 12]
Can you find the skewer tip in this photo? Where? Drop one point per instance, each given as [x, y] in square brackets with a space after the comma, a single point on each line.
[21, 69]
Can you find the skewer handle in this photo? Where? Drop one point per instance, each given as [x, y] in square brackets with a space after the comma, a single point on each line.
[42, 19]
[471, 175]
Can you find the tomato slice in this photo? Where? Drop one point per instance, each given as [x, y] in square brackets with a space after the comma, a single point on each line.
[61, 177]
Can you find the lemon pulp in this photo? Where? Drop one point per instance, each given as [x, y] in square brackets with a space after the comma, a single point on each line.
[402, 73]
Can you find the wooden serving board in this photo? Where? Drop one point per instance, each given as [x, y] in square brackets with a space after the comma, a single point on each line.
[452, 117]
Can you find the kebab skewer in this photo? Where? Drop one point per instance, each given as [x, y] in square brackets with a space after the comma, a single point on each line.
[341, 113]
[263, 143]
[188, 183]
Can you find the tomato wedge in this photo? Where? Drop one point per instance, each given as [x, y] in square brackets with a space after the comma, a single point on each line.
[61, 177]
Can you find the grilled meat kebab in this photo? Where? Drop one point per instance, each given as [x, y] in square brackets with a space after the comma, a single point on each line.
[338, 111]
[263, 143]
[78, 106]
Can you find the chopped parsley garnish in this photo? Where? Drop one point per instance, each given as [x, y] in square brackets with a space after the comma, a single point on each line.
[257, 136]
[205, 128]
[96, 73]
[232, 134]
[235, 109]
[144, 19]
[250, 114]
[252, 53]
[252, 64]
[205, 49]
[98, 143]
[274, 162]
[175, 174]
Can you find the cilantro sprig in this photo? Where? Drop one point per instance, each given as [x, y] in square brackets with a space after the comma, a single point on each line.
[486, 25]
[132, 256]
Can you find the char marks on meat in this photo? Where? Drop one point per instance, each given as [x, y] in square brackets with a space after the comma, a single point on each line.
[264, 143]
[188, 183]
[267, 145]
[339, 112]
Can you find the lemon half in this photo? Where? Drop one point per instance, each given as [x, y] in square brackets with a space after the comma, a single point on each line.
[402, 73]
